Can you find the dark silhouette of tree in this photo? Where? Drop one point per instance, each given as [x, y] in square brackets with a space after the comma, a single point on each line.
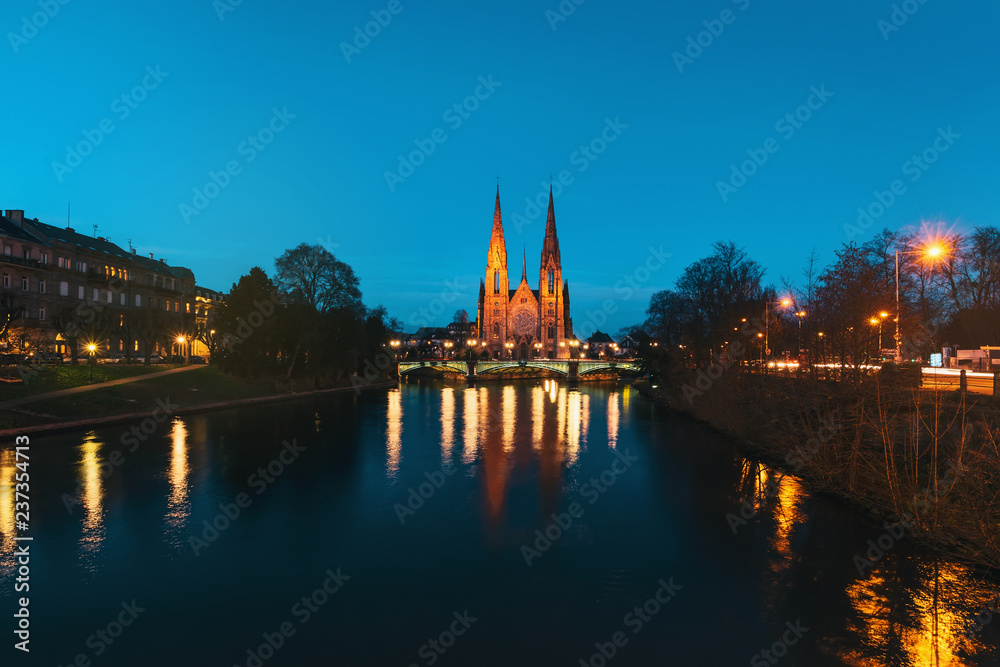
[311, 274]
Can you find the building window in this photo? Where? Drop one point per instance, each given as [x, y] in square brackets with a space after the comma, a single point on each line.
[6, 280]
[41, 286]
[26, 253]
[121, 299]
[552, 277]
[177, 306]
[552, 331]
[24, 283]
[79, 292]
[138, 300]
[84, 267]
[61, 262]
[63, 288]
[97, 295]
[110, 296]
[7, 249]
[496, 329]
[41, 312]
[187, 307]
[44, 258]
[496, 282]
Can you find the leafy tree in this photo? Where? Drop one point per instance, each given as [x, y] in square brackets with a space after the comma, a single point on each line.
[312, 275]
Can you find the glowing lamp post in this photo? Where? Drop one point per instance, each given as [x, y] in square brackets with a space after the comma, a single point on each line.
[932, 251]
[767, 324]
[92, 349]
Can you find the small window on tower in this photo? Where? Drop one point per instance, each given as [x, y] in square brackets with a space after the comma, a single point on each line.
[496, 282]
[496, 329]
[552, 277]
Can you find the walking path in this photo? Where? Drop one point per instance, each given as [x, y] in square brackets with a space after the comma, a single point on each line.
[90, 387]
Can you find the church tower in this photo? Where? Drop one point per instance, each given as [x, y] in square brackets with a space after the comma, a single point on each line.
[495, 291]
[550, 291]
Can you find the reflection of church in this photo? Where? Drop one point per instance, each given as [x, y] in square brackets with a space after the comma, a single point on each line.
[536, 323]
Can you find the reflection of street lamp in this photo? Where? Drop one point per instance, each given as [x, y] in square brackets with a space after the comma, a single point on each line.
[93, 350]
[935, 250]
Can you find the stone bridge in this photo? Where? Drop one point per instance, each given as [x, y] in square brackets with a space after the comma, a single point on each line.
[573, 369]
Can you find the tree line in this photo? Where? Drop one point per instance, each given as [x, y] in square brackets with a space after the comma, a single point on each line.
[836, 312]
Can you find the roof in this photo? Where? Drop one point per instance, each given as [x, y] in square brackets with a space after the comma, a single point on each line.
[8, 228]
[70, 235]
[600, 337]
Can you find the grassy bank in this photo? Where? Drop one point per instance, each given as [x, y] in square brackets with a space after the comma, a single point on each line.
[203, 386]
[66, 376]
[926, 458]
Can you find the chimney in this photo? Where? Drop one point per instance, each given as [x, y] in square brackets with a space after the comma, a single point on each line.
[15, 216]
[134, 251]
[151, 255]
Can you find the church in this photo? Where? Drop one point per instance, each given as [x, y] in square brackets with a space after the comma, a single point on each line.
[524, 323]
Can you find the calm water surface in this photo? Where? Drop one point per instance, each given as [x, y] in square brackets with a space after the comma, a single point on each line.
[429, 507]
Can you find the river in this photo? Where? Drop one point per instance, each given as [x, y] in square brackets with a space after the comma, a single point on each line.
[526, 523]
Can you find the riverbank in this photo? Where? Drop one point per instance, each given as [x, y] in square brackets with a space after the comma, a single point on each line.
[928, 461]
[203, 389]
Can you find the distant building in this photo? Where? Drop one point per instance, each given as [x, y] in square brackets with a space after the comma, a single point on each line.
[633, 342]
[62, 290]
[601, 343]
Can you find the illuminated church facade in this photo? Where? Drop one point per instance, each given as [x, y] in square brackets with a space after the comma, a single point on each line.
[521, 322]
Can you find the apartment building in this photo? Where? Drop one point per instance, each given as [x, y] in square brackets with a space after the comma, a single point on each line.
[62, 290]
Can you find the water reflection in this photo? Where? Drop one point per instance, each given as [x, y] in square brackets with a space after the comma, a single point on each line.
[394, 434]
[924, 620]
[8, 471]
[907, 610]
[93, 493]
[470, 418]
[178, 506]
[614, 417]
[447, 424]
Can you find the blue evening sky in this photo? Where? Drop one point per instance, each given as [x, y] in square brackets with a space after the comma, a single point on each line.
[416, 243]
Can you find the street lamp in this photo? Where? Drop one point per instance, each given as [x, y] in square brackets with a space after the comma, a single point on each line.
[767, 305]
[510, 350]
[798, 340]
[448, 345]
[933, 251]
[93, 350]
[180, 341]
[878, 321]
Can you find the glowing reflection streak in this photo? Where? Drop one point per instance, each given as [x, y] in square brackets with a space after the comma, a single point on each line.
[93, 493]
[8, 471]
[573, 428]
[584, 419]
[178, 509]
[614, 417]
[561, 423]
[936, 632]
[394, 435]
[470, 417]
[537, 416]
[509, 407]
[447, 424]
